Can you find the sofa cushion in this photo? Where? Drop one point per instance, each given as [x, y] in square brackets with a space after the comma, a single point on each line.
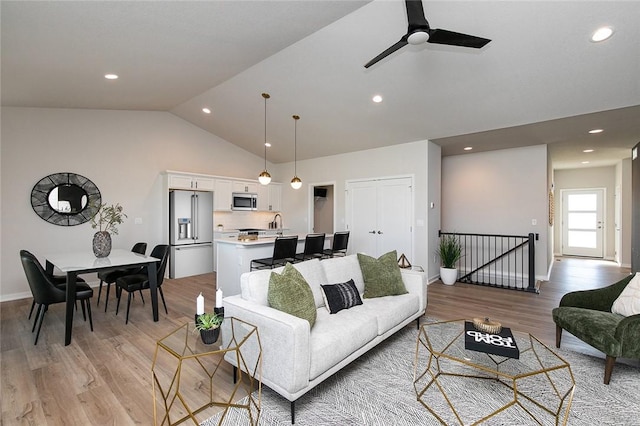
[290, 293]
[343, 269]
[335, 337]
[254, 286]
[596, 328]
[313, 273]
[392, 310]
[340, 296]
[628, 303]
[382, 276]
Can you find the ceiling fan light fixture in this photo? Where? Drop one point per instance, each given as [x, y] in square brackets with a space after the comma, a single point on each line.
[418, 37]
[601, 34]
[265, 178]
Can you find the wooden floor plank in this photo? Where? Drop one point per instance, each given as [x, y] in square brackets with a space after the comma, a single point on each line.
[104, 377]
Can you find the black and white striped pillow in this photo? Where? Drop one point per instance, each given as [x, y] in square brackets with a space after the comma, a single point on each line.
[340, 296]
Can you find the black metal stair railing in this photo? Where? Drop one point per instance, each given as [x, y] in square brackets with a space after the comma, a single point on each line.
[504, 261]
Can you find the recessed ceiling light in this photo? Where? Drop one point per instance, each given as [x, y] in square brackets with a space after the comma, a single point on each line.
[587, 150]
[111, 76]
[267, 144]
[594, 131]
[585, 162]
[468, 148]
[377, 99]
[601, 34]
[206, 110]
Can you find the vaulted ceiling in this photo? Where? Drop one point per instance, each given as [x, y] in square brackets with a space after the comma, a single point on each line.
[539, 81]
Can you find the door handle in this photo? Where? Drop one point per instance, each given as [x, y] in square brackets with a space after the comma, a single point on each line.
[380, 232]
[372, 232]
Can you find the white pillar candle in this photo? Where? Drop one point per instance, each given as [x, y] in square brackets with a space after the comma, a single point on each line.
[200, 304]
[219, 298]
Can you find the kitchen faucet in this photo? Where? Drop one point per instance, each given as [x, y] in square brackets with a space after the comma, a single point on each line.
[275, 221]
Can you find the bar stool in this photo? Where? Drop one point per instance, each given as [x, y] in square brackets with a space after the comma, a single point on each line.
[284, 250]
[313, 247]
[339, 245]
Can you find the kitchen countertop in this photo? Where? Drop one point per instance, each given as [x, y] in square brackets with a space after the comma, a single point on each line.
[262, 240]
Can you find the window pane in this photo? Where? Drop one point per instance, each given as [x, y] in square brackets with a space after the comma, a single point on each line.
[582, 220]
[586, 239]
[582, 202]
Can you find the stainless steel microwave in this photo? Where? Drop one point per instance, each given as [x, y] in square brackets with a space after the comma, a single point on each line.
[244, 201]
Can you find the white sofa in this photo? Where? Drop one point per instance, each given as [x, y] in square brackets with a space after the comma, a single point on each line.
[296, 357]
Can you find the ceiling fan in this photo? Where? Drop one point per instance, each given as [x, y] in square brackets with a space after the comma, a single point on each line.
[419, 32]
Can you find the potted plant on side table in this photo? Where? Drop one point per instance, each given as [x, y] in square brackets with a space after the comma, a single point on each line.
[450, 252]
[209, 326]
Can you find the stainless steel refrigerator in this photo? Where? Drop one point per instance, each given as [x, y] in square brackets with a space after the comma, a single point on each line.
[190, 233]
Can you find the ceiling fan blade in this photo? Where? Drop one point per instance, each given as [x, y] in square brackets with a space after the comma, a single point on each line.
[415, 13]
[403, 42]
[456, 39]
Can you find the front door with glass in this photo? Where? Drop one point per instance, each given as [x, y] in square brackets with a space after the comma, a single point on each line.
[582, 219]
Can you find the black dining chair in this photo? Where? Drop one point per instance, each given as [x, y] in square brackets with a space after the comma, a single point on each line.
[45, 292]
[60, 281]
[140, 281]
[110, 277]
[313, 247]
[284, 250]
[338, 245]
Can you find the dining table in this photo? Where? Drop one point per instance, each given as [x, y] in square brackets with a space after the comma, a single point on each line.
[84, 262]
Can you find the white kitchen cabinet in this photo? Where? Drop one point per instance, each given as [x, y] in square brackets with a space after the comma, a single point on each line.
[222, 197]
[275, 197]
[243, 186]
[191, 182]
[263, 198]
[270, 197]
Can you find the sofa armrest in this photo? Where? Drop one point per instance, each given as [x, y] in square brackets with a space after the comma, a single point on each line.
[600, 299]
[285, 343]
[416, 282]
[628, 334]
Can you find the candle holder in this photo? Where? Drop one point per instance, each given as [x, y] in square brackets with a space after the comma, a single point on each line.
[219, 311]
[196, 321]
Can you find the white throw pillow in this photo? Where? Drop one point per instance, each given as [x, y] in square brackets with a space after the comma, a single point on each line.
[628, 303]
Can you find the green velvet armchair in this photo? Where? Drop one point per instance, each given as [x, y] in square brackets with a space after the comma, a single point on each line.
[587, 315]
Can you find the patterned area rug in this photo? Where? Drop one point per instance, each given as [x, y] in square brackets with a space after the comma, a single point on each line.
[377, 389]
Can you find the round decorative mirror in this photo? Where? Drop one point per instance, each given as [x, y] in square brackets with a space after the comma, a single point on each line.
[65, 199]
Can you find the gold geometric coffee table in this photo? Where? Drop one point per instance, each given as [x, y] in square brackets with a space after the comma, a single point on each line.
[188, 377]
[461, 386]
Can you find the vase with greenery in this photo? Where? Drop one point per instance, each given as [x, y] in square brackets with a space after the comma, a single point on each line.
[106, 219]
[208, 324]
[450, 252]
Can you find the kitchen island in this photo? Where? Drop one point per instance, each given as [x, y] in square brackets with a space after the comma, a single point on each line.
[234, 258]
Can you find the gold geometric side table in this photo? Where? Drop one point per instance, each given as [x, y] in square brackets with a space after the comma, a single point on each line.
[191, 380]
[467, 387]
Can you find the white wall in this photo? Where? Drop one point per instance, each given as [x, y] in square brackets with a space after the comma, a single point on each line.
[587, 178]
[624, 180]
[122, 152]
[404, 159]
[498, 192]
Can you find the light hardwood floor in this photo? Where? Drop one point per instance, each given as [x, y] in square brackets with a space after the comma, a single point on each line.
[104, 377]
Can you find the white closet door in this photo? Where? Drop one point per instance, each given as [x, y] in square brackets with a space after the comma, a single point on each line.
[379, 216]
[394, 228]
[362, 223]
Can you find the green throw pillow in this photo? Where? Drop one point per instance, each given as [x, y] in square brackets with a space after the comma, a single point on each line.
[289, 292]
[381, 276]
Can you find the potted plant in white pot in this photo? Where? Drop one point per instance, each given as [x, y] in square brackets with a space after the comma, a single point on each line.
[106, 219]
[209, 326]
[450, 252]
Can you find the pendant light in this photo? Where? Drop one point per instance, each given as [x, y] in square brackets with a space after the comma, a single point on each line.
[265, 177]
[296, 183]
